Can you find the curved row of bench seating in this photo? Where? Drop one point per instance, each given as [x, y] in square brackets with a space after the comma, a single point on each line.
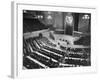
[53, 54]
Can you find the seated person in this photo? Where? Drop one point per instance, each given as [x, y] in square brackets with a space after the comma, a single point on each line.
[51, 35]
[40, 35]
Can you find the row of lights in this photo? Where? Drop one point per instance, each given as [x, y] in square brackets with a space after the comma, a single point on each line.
[85, 16]
[38, 17]
[49, 17]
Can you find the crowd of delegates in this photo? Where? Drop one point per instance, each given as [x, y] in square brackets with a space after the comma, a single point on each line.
[39, 52]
